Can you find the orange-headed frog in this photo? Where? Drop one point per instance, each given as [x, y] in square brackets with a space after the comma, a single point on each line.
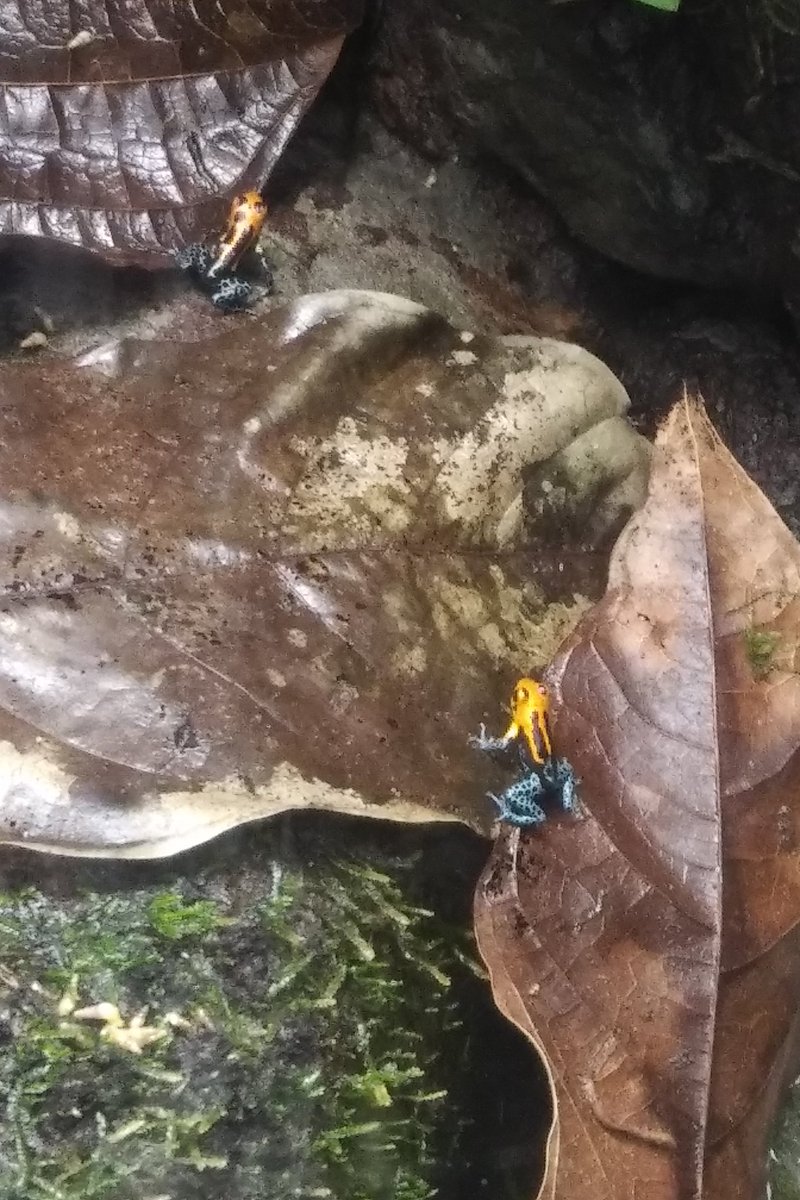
[220, 266]
[543, 777]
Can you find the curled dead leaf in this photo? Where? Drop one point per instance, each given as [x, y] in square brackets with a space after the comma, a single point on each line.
[124, 130]
[277, 569]
[651, 951]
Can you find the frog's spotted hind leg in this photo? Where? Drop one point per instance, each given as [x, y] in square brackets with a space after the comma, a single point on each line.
[517, 804]
[560, 777]
[232, 294]
[194, 258]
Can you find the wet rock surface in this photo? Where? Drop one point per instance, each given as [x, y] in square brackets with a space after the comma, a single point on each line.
[745, 367]
[662, 140]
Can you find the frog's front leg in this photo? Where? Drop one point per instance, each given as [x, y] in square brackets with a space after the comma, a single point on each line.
[517, 804]
[194, 258]
[482, 742]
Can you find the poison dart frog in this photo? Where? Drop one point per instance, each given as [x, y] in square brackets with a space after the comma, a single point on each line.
[543, 776]
[219, 267]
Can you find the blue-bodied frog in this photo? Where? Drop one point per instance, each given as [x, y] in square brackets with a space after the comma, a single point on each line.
[219, 267]
[543, 776]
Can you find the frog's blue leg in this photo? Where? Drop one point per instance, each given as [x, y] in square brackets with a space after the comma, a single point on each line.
[482, 742]
[517, 804]
[560, 776]
[232, 294]
[194, 258]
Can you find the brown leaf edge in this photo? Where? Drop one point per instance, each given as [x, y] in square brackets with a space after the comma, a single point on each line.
[132, 145]
[732, 1152]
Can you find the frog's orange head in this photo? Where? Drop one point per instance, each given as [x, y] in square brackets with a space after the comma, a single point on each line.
[246, 219]
[245, 222]
[529, 697]
[530, 706]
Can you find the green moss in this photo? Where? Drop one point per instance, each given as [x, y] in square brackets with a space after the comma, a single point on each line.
[665, 5]
[760, 647]
[784, 1157]
[307, 1040]
[176, 920]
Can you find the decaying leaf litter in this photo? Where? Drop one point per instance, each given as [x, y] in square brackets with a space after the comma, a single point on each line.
[650, 951]
[282, 568]
[76, 549]
[166, 466]
[131, 220]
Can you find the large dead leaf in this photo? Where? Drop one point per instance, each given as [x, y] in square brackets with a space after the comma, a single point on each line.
[279, 568]
[124, 127]
[651, 950]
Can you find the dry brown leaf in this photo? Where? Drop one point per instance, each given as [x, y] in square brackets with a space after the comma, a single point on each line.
[651, 950]
[275, 569]
[124, 127]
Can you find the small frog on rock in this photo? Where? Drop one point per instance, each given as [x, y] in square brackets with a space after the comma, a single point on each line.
[543, 777]
[219, 268]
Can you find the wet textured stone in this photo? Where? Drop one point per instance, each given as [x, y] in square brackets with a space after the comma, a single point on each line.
[664, 141]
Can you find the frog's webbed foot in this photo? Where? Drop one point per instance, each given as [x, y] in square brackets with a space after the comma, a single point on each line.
[194, 258]
[481, 742]
[517, 804]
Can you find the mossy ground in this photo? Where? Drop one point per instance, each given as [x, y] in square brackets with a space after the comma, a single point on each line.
[784, 1157]
[760, 647]
[308, 1024]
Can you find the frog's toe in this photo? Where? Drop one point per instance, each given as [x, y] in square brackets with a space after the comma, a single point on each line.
[569, 795]
[194, 258]
[232, 294]
[266, 278]
[482, 742]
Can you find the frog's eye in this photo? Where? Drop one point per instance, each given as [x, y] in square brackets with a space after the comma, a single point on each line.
[542, 690]
[521, 695]
[253, 200]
